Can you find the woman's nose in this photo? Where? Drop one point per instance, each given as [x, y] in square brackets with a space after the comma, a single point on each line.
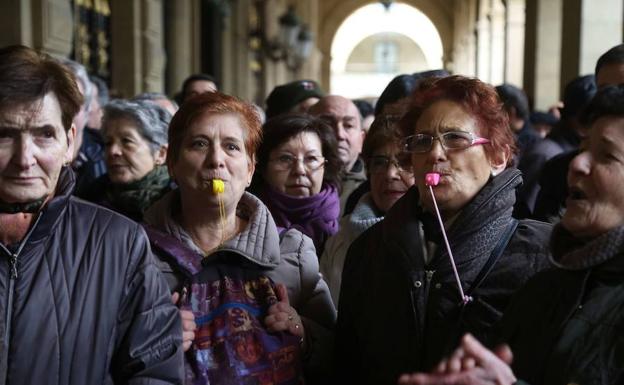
[580, 164]
[25, 154]
[215, 157]
[437, 151]
[392, 171]
[298, 167]
[113, 149]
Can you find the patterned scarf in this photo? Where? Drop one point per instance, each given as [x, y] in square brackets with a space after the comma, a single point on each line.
[573, 253]
[134, 198]
[27, 207]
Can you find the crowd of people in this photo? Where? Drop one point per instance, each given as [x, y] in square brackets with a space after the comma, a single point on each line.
[444, 234]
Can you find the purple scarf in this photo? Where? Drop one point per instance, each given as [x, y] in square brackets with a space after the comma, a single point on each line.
[316, 216]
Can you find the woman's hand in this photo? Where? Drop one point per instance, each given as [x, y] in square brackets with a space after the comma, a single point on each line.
[188, 324]
[282, 316]
[470, 364]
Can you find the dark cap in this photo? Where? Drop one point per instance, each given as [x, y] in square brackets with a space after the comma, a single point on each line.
[286, 96]
[577, 95]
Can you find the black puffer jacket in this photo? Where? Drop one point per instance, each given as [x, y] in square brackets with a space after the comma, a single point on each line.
[85, 303]
[567, 324]
[398, 315]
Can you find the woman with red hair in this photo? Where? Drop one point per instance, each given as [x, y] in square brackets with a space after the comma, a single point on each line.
[404, 300]
[259, 310]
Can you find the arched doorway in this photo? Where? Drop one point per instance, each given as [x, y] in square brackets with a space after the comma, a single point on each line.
[374, 44]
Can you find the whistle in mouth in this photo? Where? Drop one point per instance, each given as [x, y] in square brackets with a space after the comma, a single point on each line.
[432, 178]
[218, 187]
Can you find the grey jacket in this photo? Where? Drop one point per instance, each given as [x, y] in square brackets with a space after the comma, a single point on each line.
[290, 260]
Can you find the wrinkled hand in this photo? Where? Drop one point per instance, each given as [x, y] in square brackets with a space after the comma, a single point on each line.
[470, 364]
[188, 324]
[282, 316]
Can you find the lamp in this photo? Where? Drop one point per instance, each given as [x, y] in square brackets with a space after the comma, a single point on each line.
[386, 4]
[294, 42]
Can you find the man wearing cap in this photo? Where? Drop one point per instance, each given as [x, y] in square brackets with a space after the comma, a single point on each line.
[344, 117]
[293, 97]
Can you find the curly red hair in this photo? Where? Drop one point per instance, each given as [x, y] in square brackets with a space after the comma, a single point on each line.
[477, 98]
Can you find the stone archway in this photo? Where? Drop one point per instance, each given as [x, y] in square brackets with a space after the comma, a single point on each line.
[332, 14]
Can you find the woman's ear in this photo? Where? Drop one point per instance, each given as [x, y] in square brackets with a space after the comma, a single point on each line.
[160, 156]
[498, 160]
[251, 168]
[71, 142]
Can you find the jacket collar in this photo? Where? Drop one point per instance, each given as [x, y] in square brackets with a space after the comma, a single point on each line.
[51, 212]
[258, 242]
[364, 215]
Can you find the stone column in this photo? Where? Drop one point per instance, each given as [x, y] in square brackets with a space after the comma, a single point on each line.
[514, 41]
[542, 60]
[589, 29]
[16, 22]
[181, 53]
[464, 47]
[137, 46]
[52, 26]
[497, 45]
[153, 79]
[483, 41]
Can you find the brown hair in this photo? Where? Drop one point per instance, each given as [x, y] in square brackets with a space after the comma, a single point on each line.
[215, 103]
[282, 128]
[383, 131]
[26, 76]
[477, 98]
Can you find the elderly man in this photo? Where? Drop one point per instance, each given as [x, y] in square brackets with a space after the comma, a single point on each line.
[82, 301]
[345, 119]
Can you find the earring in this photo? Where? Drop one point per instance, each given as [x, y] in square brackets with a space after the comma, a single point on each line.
[493, 173]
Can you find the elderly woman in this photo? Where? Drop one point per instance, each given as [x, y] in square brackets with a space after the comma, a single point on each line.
[135, 139]
[261, 308]
[565, 326]
[400, 308]
[389, 181]
[299, 171]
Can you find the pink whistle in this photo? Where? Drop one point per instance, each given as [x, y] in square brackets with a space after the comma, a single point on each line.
[432, 179]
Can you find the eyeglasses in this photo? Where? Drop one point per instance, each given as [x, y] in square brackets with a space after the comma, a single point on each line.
[287, 162]
[379, 164]
[452, 140]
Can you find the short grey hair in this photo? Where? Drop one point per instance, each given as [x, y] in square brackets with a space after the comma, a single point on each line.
[81, 75]
[152, 121]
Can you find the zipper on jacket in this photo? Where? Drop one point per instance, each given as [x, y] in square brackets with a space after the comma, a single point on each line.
[13, 274]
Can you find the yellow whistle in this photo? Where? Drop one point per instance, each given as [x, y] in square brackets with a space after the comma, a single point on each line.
[218, 187]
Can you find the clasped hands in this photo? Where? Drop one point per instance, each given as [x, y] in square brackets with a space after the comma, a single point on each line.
[470, 364]
[281, 317]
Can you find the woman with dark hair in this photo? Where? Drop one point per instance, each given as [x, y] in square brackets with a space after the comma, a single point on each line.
[402, 304]
[565, 325]
[388, 182]
[135, 144]
[298, 176]
[260, 307]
